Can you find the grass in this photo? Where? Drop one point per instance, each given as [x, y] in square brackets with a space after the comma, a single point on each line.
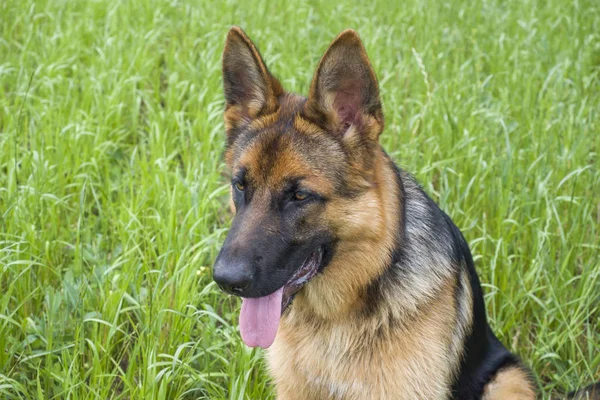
[112, 195]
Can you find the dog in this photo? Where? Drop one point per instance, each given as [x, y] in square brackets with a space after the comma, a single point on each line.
[358, 284]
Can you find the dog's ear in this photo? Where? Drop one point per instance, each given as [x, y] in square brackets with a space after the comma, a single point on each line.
[250, 89]
[344, 94]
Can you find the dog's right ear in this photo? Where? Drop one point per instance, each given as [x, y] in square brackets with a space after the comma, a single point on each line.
[344, 93]
[250, 89]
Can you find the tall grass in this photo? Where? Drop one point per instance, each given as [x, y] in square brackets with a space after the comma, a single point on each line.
[113, 202]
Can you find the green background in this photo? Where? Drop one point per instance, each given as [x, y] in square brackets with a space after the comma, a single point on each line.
[113, 195]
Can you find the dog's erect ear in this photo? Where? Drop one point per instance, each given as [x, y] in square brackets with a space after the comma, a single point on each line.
[344, 94]
[250, 89]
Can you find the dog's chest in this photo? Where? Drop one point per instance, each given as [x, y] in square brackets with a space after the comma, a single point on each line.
[337, 363]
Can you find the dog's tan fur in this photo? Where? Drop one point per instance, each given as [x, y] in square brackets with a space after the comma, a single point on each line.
[351, 358]
[509, 384]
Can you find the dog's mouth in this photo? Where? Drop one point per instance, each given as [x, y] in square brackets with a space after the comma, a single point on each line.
[259, 317]
[305, 273]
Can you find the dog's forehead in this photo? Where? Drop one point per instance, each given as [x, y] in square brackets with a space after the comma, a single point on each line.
[275, 158]
[283, 146]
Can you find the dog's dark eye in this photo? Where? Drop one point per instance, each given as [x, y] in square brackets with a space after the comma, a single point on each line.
[239, 186]
[300, 195]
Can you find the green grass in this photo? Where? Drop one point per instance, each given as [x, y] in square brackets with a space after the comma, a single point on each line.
[113, 199]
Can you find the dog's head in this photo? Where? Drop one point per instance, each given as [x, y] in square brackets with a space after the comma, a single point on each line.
[301, 173]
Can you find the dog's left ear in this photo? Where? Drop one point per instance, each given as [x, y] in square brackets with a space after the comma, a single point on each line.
[250, 89]
[344, 94]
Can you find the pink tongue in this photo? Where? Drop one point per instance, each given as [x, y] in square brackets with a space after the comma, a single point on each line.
[259, 319]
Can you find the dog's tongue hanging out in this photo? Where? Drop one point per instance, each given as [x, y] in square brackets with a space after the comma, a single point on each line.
[259, 319]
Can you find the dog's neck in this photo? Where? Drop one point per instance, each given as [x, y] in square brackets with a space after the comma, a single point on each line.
[367, 239]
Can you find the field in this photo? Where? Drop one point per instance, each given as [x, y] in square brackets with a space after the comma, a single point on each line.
[113, 194]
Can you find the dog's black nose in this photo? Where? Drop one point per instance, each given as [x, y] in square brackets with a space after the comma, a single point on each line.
[232, 278]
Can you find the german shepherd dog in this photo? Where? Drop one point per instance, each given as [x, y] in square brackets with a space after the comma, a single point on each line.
[352, 277]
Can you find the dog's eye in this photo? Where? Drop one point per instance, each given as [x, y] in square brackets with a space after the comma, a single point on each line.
[301, 195]
[239, 186]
